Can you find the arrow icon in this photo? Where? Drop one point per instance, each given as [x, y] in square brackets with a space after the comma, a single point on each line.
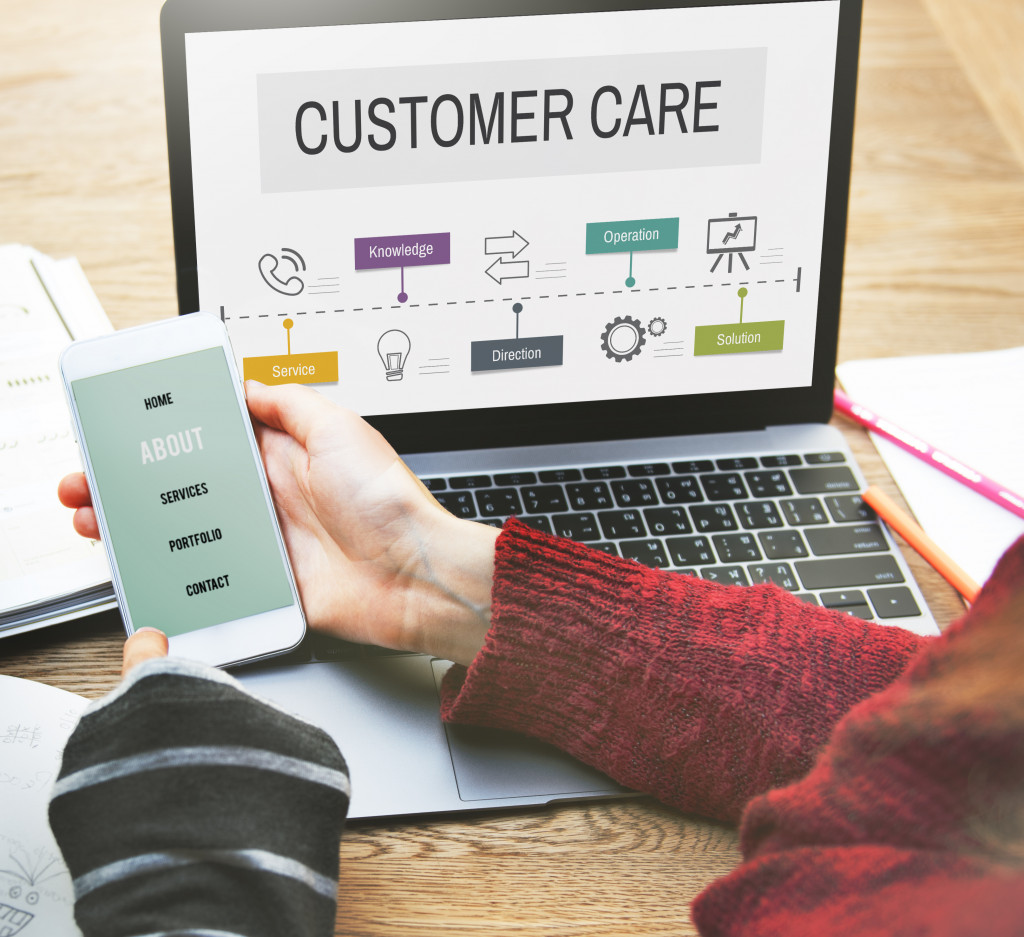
[513, 244]
[508, 270]
[732, 235]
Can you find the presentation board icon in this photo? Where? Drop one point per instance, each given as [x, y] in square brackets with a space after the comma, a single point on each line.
[732, 236]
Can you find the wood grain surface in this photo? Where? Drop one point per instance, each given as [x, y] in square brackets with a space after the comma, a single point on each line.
[935, 263]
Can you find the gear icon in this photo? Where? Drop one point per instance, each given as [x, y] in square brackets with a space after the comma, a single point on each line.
[623, 338]
[657, 326]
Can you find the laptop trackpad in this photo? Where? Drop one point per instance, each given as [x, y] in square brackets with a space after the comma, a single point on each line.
[491, 763]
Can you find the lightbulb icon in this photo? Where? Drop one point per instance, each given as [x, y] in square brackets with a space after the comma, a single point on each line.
[393, 348]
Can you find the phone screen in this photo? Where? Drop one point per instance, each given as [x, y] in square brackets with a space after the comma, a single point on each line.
[189, 526]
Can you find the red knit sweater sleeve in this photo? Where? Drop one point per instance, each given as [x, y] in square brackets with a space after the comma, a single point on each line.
[702, 694]
[912, 819]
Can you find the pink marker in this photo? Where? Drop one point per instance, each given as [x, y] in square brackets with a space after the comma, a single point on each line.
[944, 462]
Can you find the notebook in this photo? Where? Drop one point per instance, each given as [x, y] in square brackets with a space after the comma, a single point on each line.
[578, 261]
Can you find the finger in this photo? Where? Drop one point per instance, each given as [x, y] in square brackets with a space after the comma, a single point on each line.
[85, 523]
[145, 644]
[73, 491]
[293, 408]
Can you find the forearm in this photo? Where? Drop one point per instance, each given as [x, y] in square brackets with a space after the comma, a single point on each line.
[701, 694]
[185, 803]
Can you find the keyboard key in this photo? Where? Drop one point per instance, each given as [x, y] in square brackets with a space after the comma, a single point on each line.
[619, 524]
[853, 603]
[589, 496]
[845, 599]
[647, 469]
[735, 465]
[757, 515]
[637, 492]
[768, 484]
[471, 481]
[561, 475]
[605, 472]
[681, 489]
[694, 467]
[823, 480]
[780, 461]
[858, 611]
[809, 597]
[800, 512]
[493, 522]
[736, 548]
[667, 521]
[516, 478]
[544, 499]
[460, 503]
[867, 570]
[647, 552]
[540, 523]
[610, 548]
[779, 573]
[723, 487]
[855, 538]
[582, 527]
[690, 551]
[848, 509]
[710, 518]
[498, 502]
[782, 544]
[823, 458]
[895, 602]
[730, 575]
[435, 484]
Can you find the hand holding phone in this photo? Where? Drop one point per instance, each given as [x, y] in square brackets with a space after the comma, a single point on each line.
[376, 558]
[179, 490]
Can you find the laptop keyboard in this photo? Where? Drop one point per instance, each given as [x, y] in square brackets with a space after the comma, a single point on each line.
[795, 520]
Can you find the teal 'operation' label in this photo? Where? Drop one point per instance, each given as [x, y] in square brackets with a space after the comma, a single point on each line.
[184, 506]
[617, 237]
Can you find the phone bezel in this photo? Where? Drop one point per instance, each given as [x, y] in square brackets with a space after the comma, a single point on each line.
[233, 642]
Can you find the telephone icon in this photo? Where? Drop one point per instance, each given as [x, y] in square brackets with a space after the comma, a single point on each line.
[281, 274]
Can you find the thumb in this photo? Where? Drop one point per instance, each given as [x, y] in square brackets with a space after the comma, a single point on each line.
[144, 644]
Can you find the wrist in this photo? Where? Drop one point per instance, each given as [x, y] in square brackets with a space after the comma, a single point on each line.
[449, 609]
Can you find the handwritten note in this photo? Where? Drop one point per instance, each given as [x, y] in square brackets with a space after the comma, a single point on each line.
[36, 899]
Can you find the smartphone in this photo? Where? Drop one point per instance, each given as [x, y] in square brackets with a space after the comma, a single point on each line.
[179, 490]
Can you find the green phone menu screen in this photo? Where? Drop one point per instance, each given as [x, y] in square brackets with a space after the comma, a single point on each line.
[188, 522]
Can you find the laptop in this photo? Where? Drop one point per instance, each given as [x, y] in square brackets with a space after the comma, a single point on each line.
[580, 262]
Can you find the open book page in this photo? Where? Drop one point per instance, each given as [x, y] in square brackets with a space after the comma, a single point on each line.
[970, 406]
[36, 898]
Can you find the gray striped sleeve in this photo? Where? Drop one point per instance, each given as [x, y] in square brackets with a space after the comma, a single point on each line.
[186, 805]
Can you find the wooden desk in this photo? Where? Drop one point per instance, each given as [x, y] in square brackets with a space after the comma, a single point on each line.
[935, 264]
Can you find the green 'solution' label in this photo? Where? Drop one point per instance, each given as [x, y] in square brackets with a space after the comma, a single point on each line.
[617, 237]
[738, 339]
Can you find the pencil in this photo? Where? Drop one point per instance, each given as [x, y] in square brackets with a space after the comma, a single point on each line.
[907, 528]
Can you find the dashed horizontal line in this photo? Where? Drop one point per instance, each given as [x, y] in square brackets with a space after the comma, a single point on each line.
[512, 299]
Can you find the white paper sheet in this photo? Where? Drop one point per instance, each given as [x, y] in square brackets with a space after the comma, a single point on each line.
[970, 406]
[44, 304]
[36, 898]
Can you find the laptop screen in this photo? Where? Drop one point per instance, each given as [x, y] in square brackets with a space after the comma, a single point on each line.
[503, 220]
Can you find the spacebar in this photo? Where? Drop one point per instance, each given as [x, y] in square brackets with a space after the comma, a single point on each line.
[849, 571]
